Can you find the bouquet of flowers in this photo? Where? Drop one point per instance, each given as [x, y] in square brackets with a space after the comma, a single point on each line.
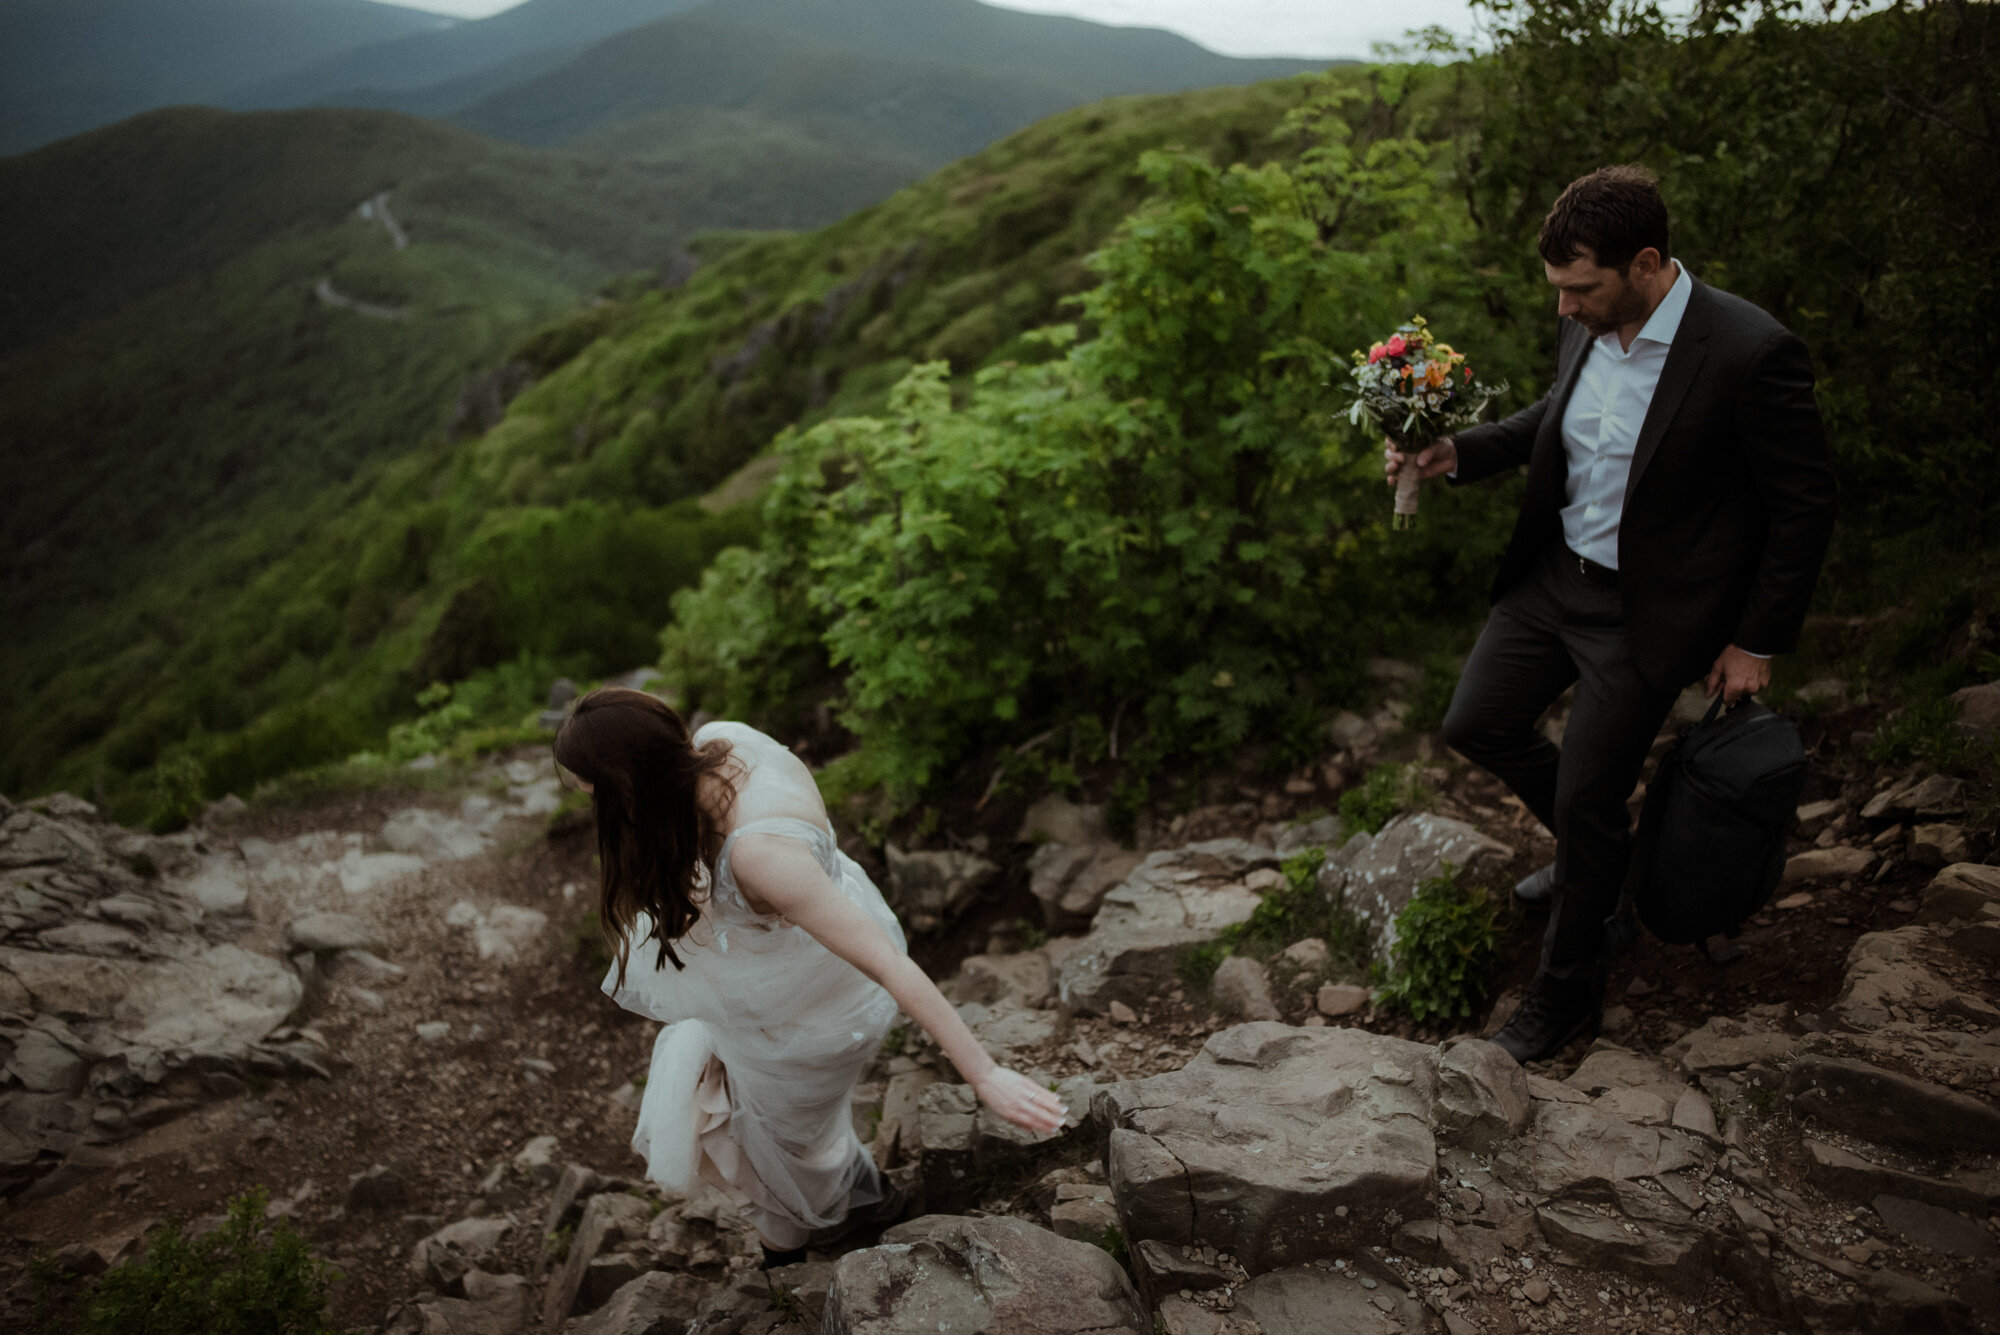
[1415, 390]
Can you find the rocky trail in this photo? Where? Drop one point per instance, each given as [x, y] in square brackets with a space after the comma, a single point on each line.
[377, 1007]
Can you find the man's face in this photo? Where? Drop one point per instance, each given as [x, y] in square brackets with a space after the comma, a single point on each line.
[1601, 300]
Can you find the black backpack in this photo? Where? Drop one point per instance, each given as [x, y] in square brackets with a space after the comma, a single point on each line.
[1711, 841]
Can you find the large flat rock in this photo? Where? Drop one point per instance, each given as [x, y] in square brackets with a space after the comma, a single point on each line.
[1276, 1144]
[967, 1276]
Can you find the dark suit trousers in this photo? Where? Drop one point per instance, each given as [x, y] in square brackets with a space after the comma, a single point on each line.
[1558, 626]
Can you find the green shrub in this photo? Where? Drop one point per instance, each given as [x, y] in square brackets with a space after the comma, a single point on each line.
[1388, 790]
[1158, 520]
[180, 791]
[1447, 940]
[245, 1278]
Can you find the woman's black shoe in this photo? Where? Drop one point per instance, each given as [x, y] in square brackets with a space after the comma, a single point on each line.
[773, 1260]
[1558, 1010]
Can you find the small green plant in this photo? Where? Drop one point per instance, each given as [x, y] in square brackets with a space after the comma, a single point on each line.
[1387, 790]
[1923, 730]
[248, 1277]
[785, 1302]
[1447, 941]
[1033, 935]
[1112, 1241]
[556, 1245]
[895, 1041]
[1445, 952]
[179, 781]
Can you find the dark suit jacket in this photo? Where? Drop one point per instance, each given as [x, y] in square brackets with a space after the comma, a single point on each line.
[1731, 499]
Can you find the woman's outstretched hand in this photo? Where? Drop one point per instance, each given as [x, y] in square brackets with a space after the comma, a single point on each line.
[1021, 1101]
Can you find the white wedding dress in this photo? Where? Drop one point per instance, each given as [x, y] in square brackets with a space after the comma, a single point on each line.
[767, 1031]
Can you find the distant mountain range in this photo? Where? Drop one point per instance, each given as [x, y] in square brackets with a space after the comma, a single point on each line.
[71, 65]
[918, 80]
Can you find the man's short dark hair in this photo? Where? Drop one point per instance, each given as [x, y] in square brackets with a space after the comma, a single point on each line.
[1615, 212]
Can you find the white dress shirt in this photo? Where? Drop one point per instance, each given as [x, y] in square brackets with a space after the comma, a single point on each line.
[1600, 427]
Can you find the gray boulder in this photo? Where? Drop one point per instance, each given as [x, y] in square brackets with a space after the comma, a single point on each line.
[1960, 893]
[1057, 820]
[999, 1275]
[1175, 899]
[790, 1300]
[1242, 987]
[608, 1218]
[1583, 1151]
[1377, 875]
[446, 1257]
[1891, 1108]
[1482, 1096]
[965, 1143]
[492, 1305]
[1278, 1145]
[928, 887]
[332, 932]
[1071, 880]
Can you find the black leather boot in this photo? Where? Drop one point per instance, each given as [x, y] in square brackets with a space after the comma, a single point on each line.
[1556, 1011]
[1537, 888]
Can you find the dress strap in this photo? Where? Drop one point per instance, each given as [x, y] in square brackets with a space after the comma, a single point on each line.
[790, 827]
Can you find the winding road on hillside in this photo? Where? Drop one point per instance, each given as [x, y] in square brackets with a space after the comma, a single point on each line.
[375, 209]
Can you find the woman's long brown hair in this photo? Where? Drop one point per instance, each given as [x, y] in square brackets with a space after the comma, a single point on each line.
[645, 773]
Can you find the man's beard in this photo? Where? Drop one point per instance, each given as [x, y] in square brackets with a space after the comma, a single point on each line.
[1629, 307]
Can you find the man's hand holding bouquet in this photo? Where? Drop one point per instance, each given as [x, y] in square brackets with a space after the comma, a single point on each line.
[1415, 391]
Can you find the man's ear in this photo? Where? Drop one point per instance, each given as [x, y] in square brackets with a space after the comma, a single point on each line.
[1646, 264]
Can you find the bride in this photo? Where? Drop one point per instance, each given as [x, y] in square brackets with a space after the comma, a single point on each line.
[771, 957]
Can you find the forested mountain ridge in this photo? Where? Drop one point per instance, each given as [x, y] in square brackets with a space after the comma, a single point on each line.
[298, 636]
[434, 73]
[69, 65]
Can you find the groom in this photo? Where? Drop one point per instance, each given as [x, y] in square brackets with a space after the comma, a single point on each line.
[1679, 503]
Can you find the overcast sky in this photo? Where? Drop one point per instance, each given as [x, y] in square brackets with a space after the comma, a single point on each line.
[1234, 27]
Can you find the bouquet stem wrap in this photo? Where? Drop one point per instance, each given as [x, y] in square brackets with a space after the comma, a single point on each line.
[1408, 484]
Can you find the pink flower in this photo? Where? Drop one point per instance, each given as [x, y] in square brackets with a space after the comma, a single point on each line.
[1395, 346]
[1376, 353]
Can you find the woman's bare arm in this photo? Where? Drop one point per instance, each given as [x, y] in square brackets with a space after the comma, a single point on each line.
[778, 875]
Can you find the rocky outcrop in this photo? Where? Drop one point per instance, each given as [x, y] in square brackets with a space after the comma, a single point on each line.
[1175, 899]
[965, 1145]
[1277, 1145]
[927, 888]
[998, 1275]
[140, 976]
[1377, 875]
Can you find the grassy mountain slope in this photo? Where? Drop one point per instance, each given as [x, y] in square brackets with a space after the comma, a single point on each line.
[69, 65]
[298, 632]
[168, 362]
[524, 40]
